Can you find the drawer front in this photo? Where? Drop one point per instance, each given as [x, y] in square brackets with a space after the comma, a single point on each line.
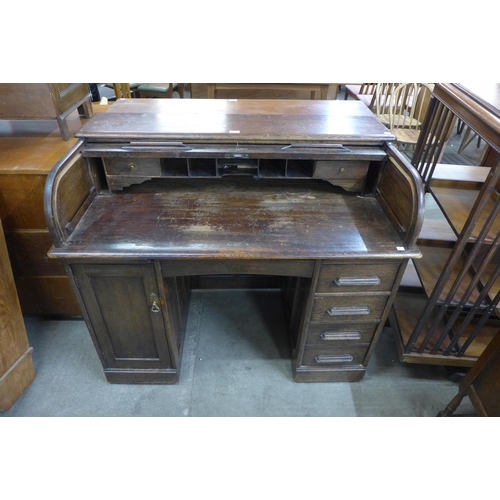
[341, 169]
[21, 205]
[47, 296]
[337, 334]
[133, 166]
[357, 278]
[28, 254]
[348, 307]
[324, 356]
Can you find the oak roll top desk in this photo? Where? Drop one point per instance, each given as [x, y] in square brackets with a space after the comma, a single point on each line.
[157, 192]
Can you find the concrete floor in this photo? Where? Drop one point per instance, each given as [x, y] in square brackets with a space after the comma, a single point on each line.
[235, 363]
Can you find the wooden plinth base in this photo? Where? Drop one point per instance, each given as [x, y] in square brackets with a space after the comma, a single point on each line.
[16, 380]
[141, 376]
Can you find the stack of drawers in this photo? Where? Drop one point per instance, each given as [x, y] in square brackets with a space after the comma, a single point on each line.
[349, 303]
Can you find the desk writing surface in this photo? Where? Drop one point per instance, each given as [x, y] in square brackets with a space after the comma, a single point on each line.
[234, 218]
[227, 120]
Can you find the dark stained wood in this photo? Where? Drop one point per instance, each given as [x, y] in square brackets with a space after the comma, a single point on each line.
[348, 307]
[328, 356]
[401, 194]
[77, 191]
[16, 365]
[458, 303]
[481, 113]
[257, 121]
[127, 328]
[344, 278]
[481, 384]
[302, 268]
[234, 219]
[138, 211]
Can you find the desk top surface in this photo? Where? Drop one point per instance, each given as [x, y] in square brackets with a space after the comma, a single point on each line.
[232, 120]
[234, 218]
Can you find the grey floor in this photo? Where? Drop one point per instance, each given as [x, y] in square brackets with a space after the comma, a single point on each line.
[235, 363]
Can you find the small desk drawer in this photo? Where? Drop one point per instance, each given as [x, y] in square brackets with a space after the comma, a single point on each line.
[133, 166]
[338, 334]
[341, 169]
[324, 356]
[348, 307]
[349, 174]
[357, 278]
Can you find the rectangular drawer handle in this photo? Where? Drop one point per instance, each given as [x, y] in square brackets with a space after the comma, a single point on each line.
[340, 335]
[333, 358]
[357, 280]
[343, 311]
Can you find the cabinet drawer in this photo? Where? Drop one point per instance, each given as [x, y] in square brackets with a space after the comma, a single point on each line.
[341, 169]
[28, 254]
[337, 334]
[133, 166]
[324, 356]
[349, 174]
[21, 205]
[356, 278]
[348, 307]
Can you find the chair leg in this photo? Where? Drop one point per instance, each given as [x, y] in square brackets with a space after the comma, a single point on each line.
[452, 406]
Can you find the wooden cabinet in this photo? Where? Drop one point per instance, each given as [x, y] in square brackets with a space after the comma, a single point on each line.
[450, 312]
[129, 328]
[16, 364]
[28, 151]
[45, 101]
[349, 308]
[159, 193]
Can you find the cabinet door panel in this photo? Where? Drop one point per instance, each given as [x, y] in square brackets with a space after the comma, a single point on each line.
[119, 303]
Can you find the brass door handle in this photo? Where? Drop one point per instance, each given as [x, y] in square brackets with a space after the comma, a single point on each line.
[155, 301]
